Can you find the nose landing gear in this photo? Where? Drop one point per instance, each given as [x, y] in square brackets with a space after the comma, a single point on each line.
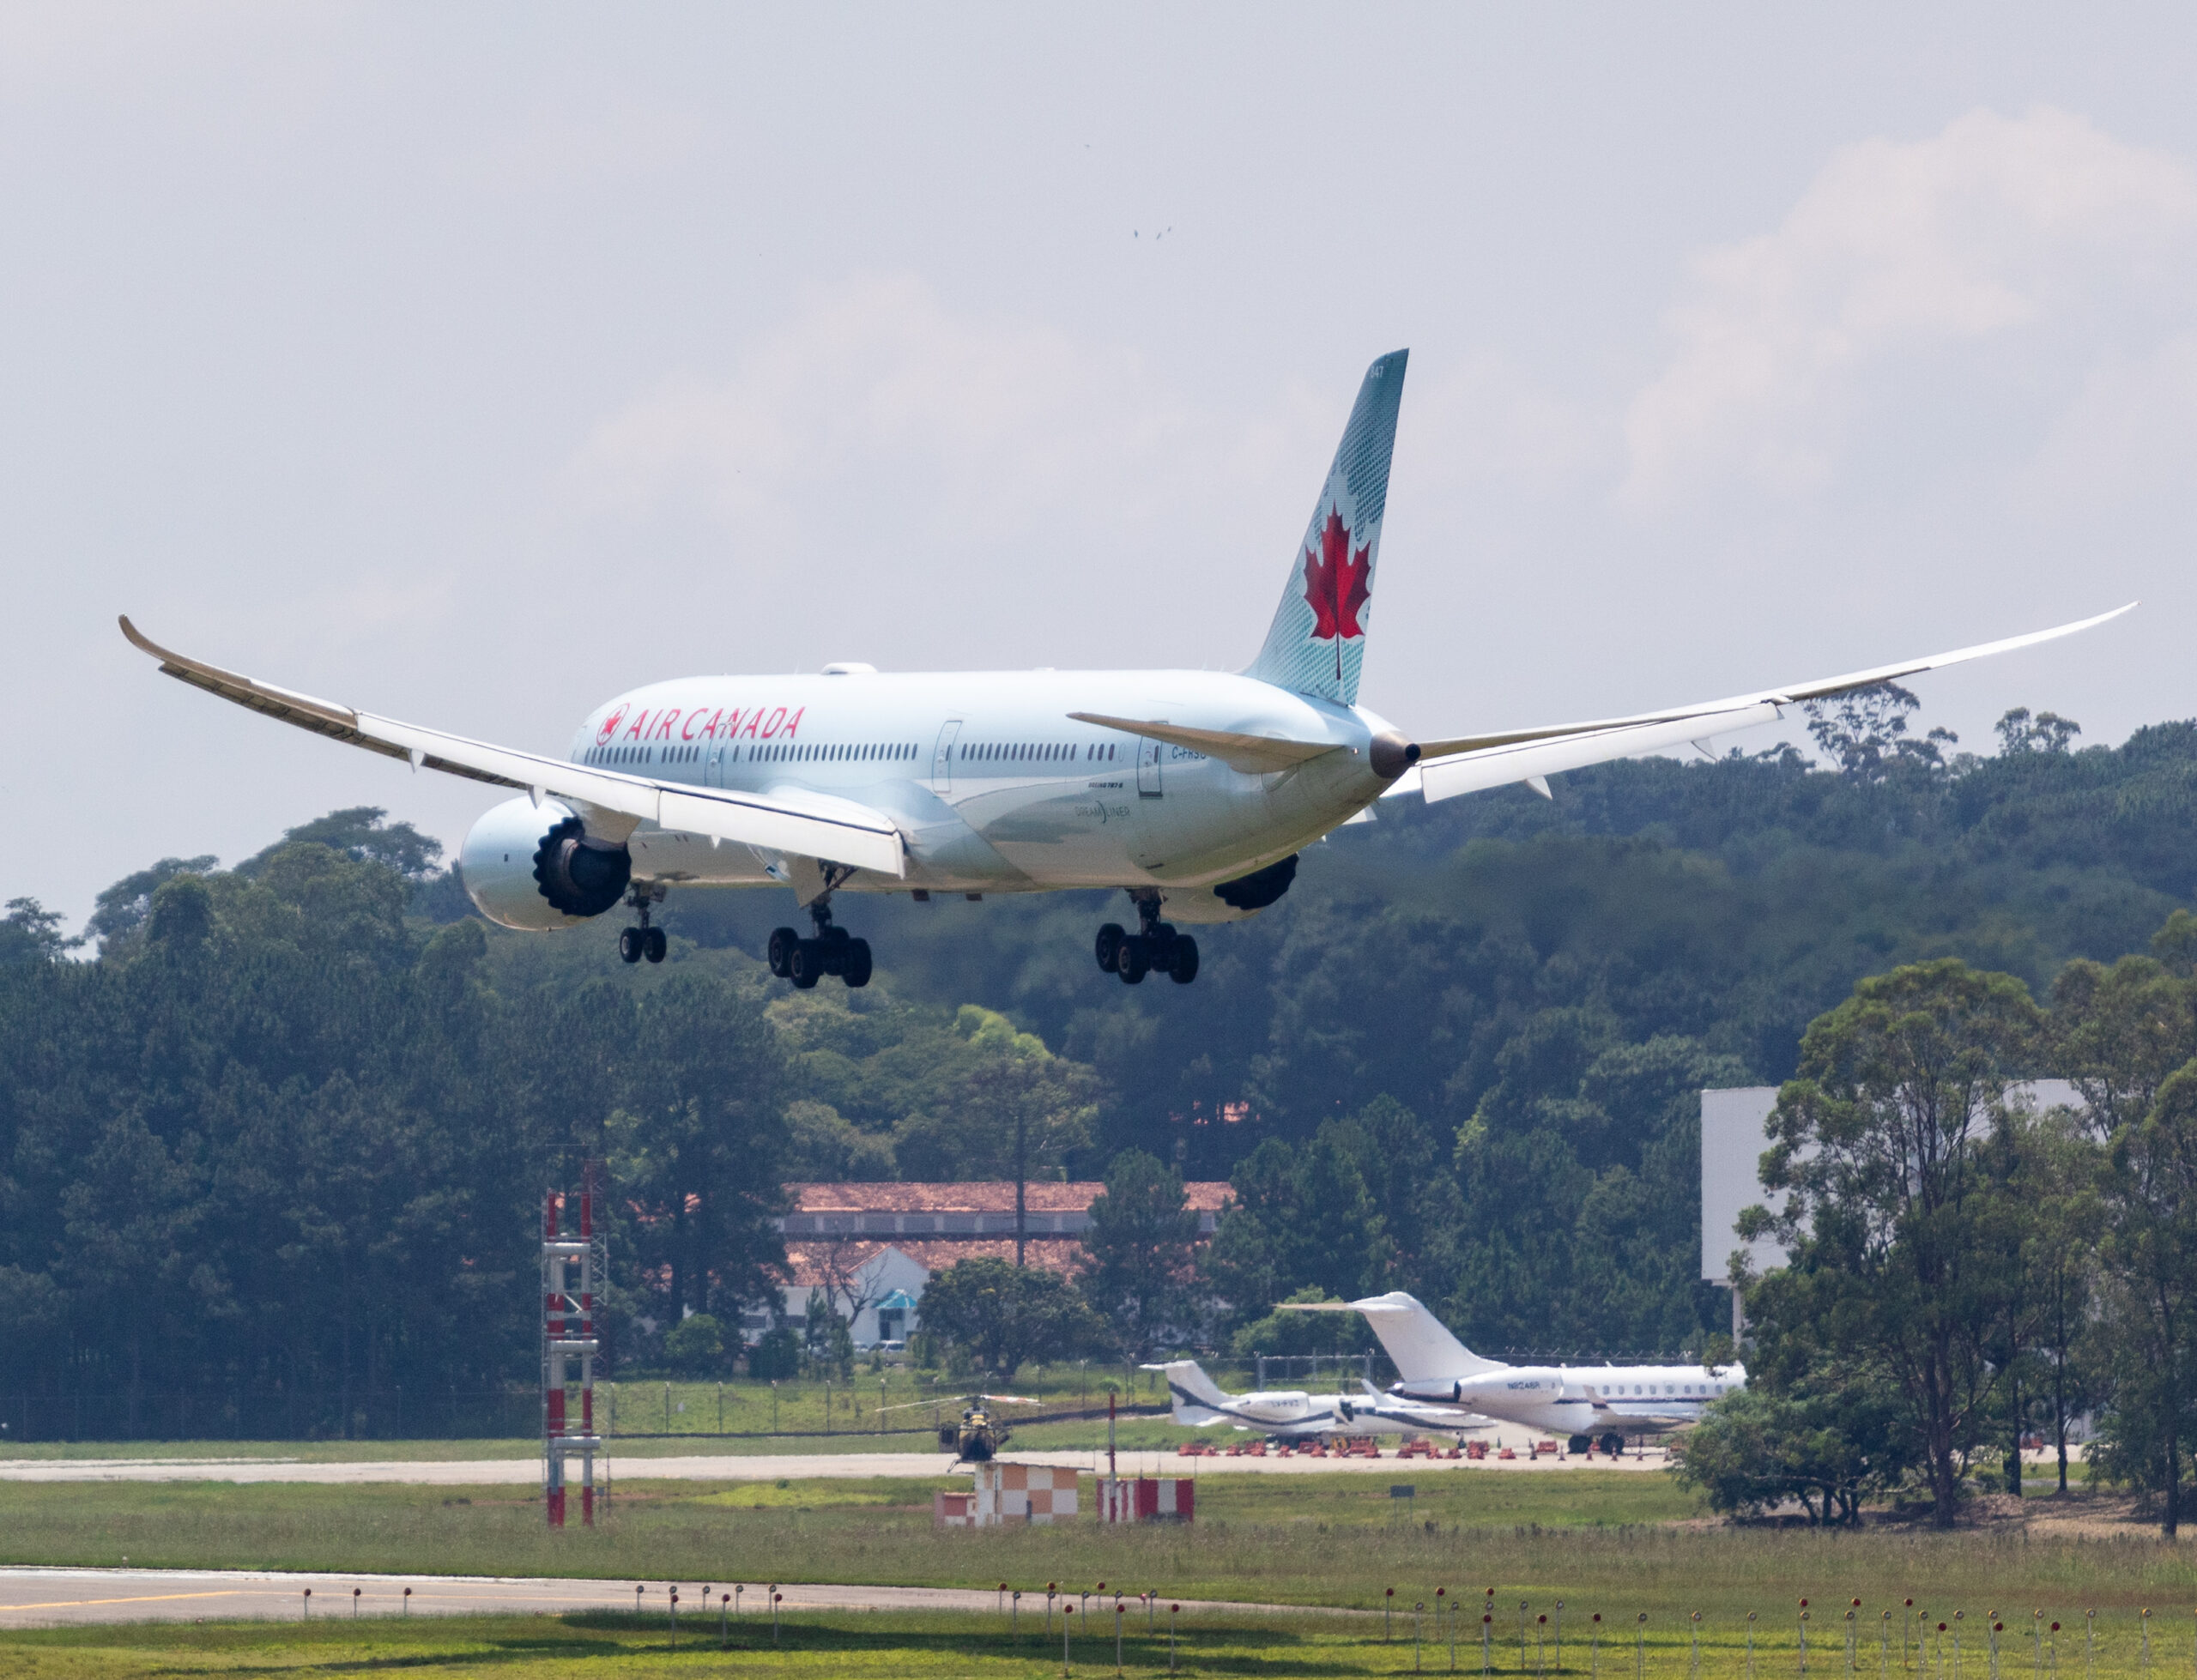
[1154, 945]
[643, 940]
[805, 962]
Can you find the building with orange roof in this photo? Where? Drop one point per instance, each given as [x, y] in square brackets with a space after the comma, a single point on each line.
[870, 1247]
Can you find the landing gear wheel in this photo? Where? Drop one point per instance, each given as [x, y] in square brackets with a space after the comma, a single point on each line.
[1109, 946]
[856, 971]
[1134, 960]
[1613, 1444]
[1184, 969]
[653, 943]
[1580, 1443]
[805, 967]
[630, 943]
[783, 941]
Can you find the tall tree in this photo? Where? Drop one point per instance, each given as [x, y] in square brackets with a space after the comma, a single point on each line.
[696, 1139]
[1138, 1253]
[1880, 1146]
[2150, 1255]
[1034, 1108]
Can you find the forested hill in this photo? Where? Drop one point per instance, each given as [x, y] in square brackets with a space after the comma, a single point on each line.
[283, 1130]
[1504, 939]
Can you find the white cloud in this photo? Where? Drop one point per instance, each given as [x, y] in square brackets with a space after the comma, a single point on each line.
[1995, 226]
[2132, 430]
[970, 423]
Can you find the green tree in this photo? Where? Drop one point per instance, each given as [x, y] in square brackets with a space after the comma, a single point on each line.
[695, 1346]
[1301, 1334]
[121, 909]
[1138, 1254]
[1023, 1111]
[696, 1140]
[1301, 1216]
[1414, 1190]
[1880, 1146]
[1002, 1315]
[2118, 1033]
[1828, 1444]
[31, 933]
[361, 834]
[2151, 1257]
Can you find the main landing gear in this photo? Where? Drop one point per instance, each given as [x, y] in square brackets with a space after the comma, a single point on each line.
[1154, 946]
[805, 962]
[637, 942]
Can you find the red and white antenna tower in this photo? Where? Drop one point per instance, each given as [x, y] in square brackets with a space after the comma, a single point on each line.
[568, 1333]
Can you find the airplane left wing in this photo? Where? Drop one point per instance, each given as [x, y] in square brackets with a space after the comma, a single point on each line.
[802, 825]
[1470, 763]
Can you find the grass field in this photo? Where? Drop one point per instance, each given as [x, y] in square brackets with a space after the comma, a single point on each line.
[1208, 1643]
[1603, 1540]
[1613, 1544]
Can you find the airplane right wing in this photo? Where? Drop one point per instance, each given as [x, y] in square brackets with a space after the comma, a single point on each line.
[1471, 763]
[801, 824]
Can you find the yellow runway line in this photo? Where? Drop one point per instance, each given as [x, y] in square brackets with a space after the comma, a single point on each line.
[149, 1599]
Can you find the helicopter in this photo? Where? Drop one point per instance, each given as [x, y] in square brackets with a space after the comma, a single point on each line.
[977, 1438]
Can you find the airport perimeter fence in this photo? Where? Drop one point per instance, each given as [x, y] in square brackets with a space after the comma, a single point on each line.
[298, 1414]
[647, 1409]
[640, 1407]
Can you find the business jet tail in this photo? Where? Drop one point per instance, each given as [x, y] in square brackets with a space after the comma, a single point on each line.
[1419, 1344]
[1317, 640]
[1198, 1399]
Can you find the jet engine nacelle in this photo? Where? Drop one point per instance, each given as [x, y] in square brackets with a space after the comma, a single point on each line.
[533, 867]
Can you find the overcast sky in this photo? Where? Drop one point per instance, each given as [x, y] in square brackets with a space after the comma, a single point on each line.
[471, 364]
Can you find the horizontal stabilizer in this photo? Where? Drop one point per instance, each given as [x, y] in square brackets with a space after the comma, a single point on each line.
[1254, 755]
[800, 825]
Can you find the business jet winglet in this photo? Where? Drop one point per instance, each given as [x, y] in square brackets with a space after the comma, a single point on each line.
[1192, 791]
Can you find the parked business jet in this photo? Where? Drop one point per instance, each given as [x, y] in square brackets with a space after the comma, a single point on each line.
[1291, 1412]
[1585, 1402]
[1193, 791]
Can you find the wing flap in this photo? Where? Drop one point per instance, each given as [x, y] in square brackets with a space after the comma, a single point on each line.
[807, 826]
[1495, 766]
[1254, 755]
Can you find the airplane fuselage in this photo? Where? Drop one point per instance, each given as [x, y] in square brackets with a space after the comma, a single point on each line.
[1289, 1413]
[996, 787]
[1585, 1400]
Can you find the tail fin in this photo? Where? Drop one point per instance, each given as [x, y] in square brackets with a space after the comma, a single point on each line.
[1196, 1396]
[1417, 1342]
[1317, 640]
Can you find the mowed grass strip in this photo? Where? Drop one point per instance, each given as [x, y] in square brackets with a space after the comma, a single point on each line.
[1608, 1542]
[862, 1644]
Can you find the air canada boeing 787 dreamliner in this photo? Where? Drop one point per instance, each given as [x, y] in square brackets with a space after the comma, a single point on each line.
[1193, 791]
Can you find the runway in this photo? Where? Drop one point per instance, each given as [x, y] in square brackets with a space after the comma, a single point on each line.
[727, 1467]
[31, 1597]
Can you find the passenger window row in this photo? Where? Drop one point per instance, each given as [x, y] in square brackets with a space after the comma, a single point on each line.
[1035, 751]
[760, 752]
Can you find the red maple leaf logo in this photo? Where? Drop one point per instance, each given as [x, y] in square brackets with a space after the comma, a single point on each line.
[610, 726]
[1335, 582]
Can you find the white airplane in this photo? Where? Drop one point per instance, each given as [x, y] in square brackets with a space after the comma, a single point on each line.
[1586, 1402]
[1291, 1412]
[1193, 791]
